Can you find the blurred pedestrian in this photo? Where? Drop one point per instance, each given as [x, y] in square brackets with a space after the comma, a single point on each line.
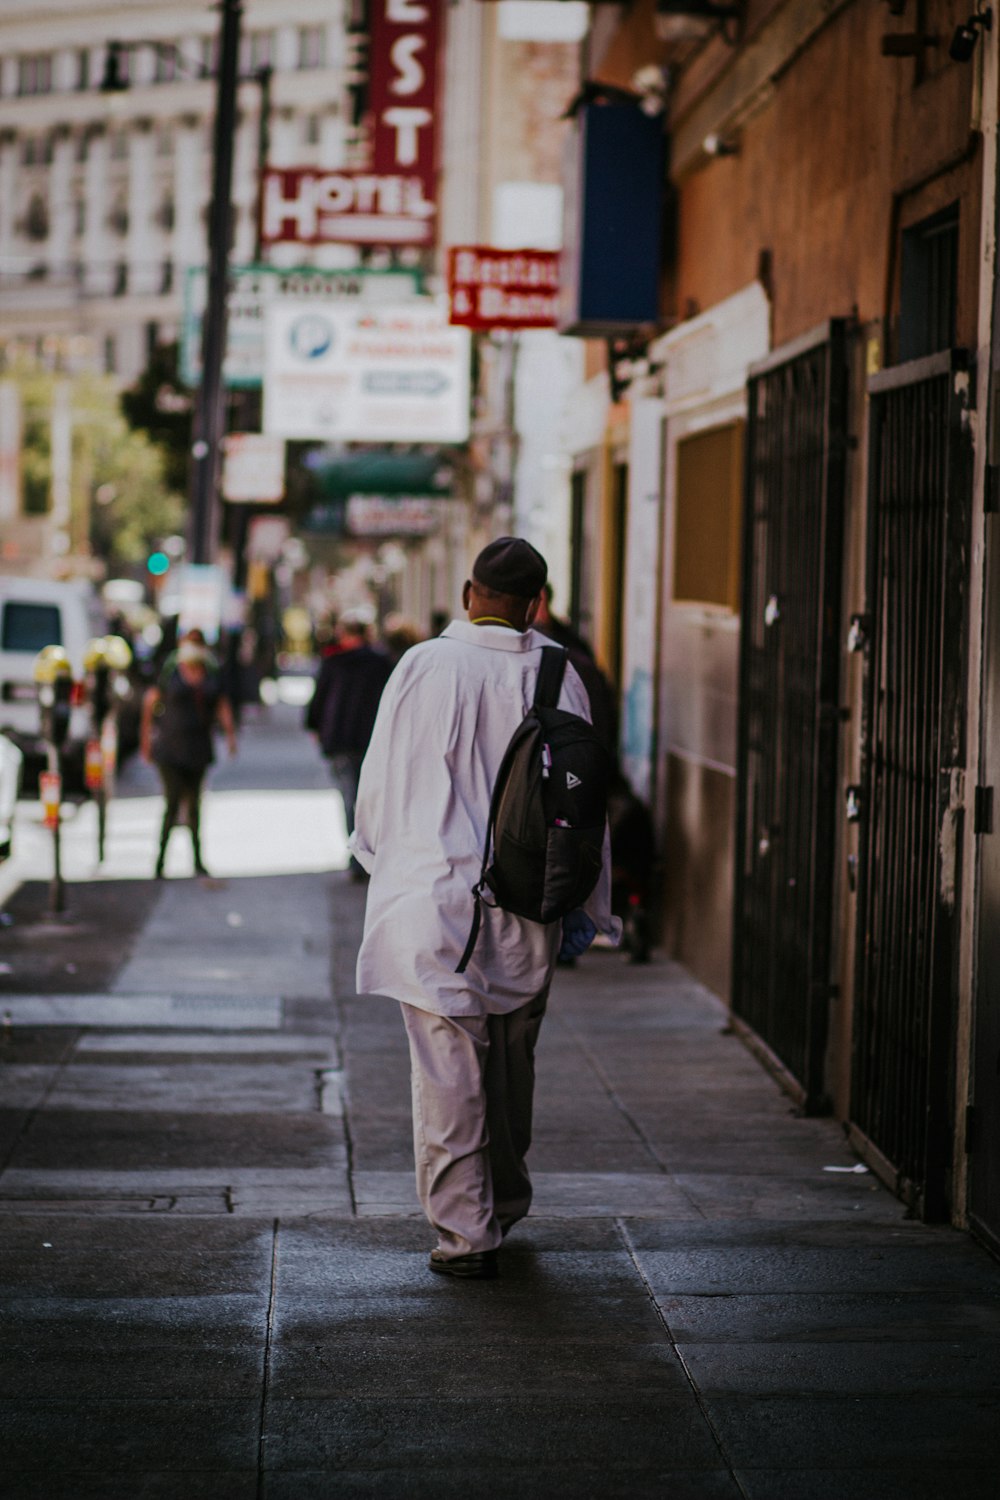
[443, 726]
[179, 716]
[342, 711]
[398, 635]
[603, 704]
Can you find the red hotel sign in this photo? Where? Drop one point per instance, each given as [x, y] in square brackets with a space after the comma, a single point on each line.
[395, 201]
[502, 288]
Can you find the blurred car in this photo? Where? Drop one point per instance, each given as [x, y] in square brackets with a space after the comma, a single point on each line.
[34, 613]
[11, 773]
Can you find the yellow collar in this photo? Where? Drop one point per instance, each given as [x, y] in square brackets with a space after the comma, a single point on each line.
[492, 620]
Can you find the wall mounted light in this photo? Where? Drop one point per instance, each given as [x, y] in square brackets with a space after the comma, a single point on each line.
[963, 43]
[652, 84]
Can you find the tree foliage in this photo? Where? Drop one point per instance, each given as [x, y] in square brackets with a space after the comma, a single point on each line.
[158, 405]
[122, 502]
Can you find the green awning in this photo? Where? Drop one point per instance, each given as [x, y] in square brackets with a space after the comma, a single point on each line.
[381, 471]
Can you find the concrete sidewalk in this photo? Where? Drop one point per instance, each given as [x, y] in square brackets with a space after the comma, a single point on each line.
[214, 1269]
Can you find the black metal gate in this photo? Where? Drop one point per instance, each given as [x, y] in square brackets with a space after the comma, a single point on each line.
[789, 684]
[913, 757]
[983, 1123]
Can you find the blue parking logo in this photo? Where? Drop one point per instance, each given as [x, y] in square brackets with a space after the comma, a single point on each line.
[311, 336]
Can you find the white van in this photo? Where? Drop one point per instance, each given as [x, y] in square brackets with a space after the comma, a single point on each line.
[34, 613]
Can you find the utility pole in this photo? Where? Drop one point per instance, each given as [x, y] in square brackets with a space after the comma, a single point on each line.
[210, 410]
[263, 151]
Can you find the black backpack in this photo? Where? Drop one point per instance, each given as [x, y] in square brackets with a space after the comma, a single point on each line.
[547, 812]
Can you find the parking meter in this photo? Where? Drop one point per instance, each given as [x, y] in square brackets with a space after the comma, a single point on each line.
[95, 664]
[54, 677]
[104, 658]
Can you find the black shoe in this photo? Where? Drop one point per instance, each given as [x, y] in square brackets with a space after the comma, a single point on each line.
[481, 1265]
[199, 869]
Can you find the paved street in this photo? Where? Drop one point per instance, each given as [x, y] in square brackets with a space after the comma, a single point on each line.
[214, 1269]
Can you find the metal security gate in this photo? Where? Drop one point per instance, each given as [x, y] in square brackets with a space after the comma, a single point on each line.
[913, 757]
[789, 683]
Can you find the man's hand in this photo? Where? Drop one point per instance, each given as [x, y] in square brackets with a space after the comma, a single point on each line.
[578, 932]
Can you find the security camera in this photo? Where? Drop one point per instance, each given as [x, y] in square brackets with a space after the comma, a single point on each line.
[963, 42]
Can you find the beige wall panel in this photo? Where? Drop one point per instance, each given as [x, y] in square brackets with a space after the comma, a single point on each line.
[698, 861]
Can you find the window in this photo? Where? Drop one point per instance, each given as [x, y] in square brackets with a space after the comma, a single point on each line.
[310, 130]
[34, 74]
[261, 50]
[30, 151]
[117, 64]
[165, 65]
[36, 220]
[119, 146]
[255, 52]
[110, 354]
[209, 55]
[80, 216]
[118, 217]
[708, 512]
[928, 289]
[30, 627]
[83, 68]
[164, 141]
[311, 49]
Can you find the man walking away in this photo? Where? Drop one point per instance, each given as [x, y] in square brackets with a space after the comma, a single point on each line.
[343, 708]
[423, 804]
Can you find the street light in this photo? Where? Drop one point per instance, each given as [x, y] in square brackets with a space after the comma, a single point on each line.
[210, 415]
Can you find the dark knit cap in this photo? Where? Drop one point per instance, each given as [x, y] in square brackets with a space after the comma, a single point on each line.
[510, 565]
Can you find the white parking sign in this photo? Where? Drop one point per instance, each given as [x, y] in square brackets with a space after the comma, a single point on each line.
[396, 374]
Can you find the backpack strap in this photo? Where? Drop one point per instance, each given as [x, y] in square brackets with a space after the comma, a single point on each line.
[548, 686]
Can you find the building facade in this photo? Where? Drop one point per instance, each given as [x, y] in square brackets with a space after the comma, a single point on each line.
[786, 498]
[104, 197]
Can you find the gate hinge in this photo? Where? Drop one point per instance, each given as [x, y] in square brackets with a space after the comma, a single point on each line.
[971, 1118]
[982, 812]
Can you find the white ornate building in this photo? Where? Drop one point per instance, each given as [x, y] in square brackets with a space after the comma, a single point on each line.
[103, 196]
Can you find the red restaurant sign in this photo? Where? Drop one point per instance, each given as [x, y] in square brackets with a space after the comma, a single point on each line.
[502, 288]
[395, 201]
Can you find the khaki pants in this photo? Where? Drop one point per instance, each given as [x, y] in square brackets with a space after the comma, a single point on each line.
[473, 1081]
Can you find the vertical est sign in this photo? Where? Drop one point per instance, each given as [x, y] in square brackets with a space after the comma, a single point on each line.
[404, 52]
[393, 201]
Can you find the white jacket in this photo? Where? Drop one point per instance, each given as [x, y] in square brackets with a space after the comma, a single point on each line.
[444, 722]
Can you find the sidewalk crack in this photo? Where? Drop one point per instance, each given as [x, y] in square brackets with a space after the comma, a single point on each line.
[339, 1028]
[626, 1239]
[268, 1342]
